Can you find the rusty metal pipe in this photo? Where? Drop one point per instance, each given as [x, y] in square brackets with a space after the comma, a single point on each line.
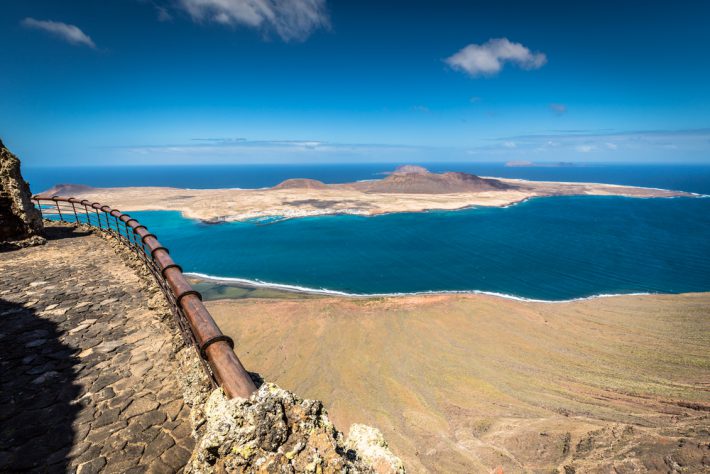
[96, 207]
[56, 202]
[84, 203]
[231, 376]
[76, 216]
[39, 206]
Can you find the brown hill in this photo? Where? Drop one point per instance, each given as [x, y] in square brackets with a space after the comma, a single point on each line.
[411, 179]
[406, 169]
[301, 183]
[66, 190]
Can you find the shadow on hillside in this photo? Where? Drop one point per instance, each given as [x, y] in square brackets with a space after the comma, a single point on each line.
[36, 389]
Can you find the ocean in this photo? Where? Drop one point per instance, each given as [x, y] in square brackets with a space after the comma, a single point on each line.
[551, 249]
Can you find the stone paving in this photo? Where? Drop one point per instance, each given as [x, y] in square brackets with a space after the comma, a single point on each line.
[89, 378]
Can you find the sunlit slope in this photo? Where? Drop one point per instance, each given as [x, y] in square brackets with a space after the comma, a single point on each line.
[467, 383]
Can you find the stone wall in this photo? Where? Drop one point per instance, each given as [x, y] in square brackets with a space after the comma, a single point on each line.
[20, 222]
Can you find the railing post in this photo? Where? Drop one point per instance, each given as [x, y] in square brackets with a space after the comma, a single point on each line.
[86, 210]
[39, 206]
[76, 217]
[61, 217]
[98, 216]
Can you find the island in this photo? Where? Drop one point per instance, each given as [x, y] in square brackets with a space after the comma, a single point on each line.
[408, 189]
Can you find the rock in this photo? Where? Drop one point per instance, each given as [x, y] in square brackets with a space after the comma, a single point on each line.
[91, 467]
[370, 445]
[158, 446]
[140, 406]
[106, 417]
[20, 222]
[275, 431]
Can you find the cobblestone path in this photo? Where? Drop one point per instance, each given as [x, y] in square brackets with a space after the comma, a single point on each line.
[88, 379]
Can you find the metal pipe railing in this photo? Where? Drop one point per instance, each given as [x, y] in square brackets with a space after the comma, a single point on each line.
[196, 323]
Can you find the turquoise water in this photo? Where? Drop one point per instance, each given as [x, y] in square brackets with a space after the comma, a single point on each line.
[550, 249]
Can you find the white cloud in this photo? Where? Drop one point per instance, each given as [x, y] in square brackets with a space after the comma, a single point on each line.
[240, 150]
[608, 143]
[163, 14]
[290, 19]
[558, 109]
[510, 145]
[69, 33]
[489, 58]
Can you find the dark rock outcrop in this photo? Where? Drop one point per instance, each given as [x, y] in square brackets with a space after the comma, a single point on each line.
[20, 222]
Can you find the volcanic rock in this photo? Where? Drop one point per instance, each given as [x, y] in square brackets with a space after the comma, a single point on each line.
[20, 222]
[275, 431]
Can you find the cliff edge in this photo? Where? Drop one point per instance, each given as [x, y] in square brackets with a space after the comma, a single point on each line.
[20, 222]
[275, 431]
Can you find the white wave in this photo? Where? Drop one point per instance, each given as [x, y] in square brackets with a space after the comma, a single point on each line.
[325, 291]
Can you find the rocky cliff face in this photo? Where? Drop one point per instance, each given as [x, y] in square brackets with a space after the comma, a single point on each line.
[276, 432]
[20, 222]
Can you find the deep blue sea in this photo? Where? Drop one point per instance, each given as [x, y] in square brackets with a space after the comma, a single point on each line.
[555, 248]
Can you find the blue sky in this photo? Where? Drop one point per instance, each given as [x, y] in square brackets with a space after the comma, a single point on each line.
[261, 81]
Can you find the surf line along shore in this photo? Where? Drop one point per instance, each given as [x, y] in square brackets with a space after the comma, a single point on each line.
[246, 284]
[407, 189]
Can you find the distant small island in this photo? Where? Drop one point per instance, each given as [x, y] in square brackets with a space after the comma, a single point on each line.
[408, 189]
[532, 164]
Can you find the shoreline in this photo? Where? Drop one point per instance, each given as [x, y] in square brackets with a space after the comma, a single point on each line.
[246, 283]
[276, 218]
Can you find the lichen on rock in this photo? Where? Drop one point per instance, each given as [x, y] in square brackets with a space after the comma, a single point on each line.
[370, 445]
[20, 222]
[274, 431]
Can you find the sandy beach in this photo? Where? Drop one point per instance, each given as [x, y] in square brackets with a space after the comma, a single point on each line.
[300, 198]
[467, 383]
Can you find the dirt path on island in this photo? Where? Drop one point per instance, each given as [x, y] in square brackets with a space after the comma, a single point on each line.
[467, 383]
